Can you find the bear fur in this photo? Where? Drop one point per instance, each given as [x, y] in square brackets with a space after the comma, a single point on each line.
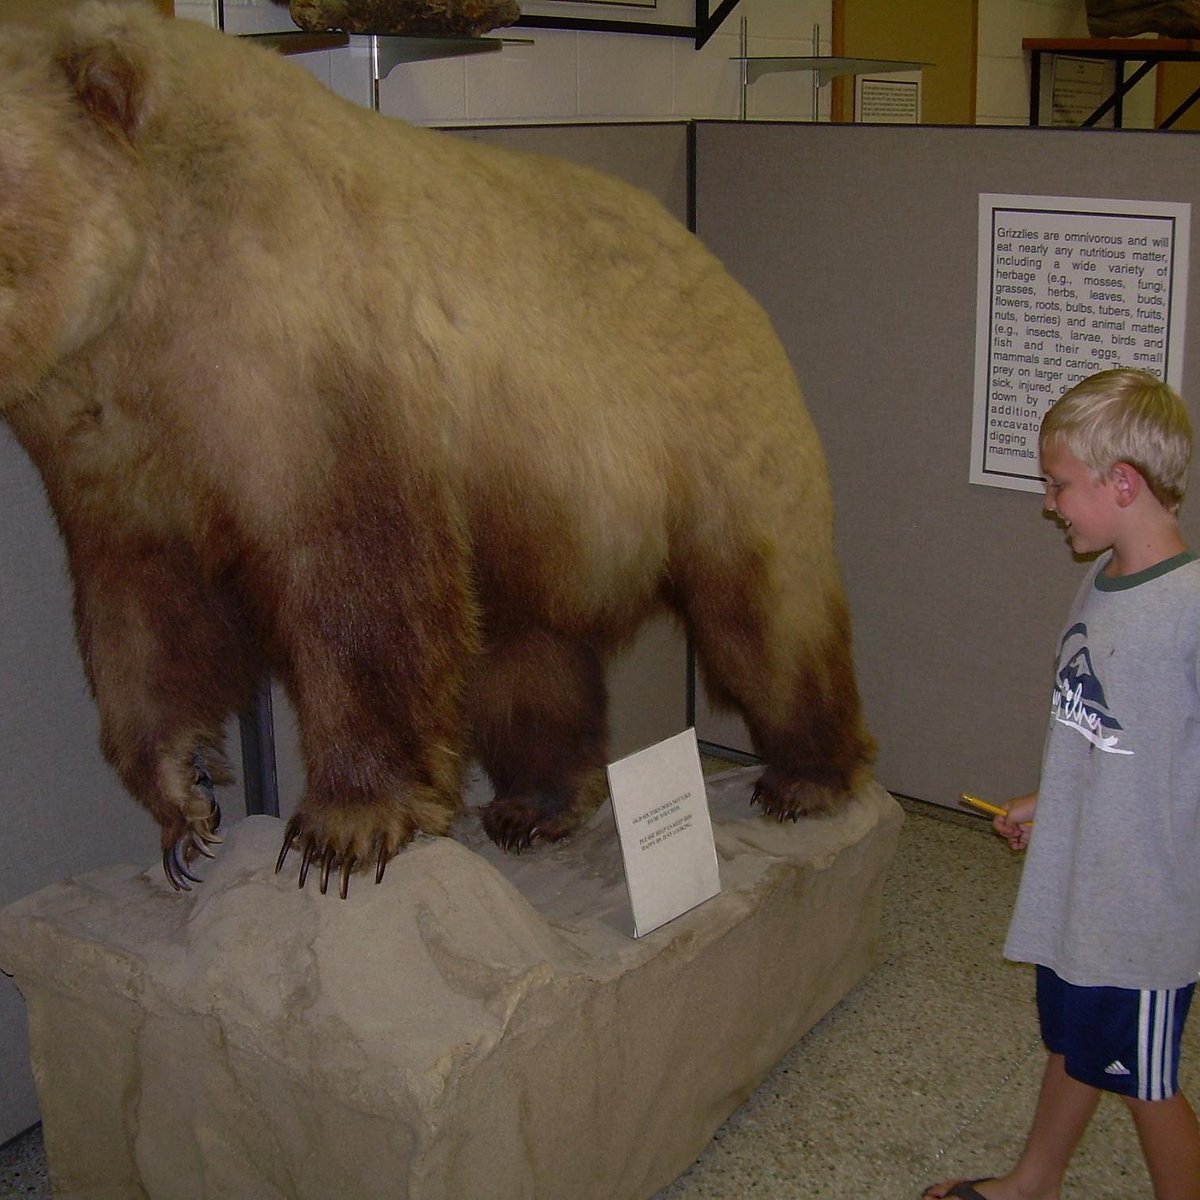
[425, 428]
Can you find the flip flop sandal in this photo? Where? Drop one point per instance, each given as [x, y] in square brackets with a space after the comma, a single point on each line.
[966, 1190]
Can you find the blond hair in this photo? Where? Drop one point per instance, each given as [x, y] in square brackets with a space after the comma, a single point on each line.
[1126, 416]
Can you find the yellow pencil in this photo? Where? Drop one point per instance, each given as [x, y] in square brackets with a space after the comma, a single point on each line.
[993, 810]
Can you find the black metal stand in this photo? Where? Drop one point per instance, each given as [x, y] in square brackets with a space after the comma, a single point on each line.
[1116, 50]
[708, 21]
[258, 754]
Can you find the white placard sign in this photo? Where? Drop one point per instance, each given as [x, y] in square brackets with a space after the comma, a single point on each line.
[887, 101]
[666, 835]
[1068, 287]
[1080, 86]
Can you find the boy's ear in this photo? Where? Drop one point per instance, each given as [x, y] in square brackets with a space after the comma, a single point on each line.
[1128, 482]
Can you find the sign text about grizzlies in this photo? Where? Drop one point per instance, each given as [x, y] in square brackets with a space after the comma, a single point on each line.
[1069, 291]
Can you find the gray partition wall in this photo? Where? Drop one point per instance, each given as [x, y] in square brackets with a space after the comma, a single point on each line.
[652, 156]
[862, 244]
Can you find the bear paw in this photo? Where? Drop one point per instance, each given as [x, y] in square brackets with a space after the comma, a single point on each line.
[192, 835]
[788, 797]
[514, 823]
[345, 839]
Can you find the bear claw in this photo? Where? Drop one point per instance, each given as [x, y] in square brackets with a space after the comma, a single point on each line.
[195, 839]
[788, 798]
[328, 858]
[515, 824]
[175, 867]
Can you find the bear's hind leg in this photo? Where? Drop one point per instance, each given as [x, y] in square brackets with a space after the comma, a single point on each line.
[539, 729]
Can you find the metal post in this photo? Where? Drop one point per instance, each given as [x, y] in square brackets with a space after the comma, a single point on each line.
[259, 776]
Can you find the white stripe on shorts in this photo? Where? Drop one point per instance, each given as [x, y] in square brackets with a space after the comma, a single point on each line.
[1156, 1021]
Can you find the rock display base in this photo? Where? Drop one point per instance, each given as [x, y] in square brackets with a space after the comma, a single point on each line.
[476, 1026]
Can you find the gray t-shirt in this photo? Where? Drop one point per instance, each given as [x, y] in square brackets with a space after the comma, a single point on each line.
[1110, 894]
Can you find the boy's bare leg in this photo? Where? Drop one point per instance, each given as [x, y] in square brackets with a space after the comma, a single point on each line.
[1170, 1140]
[1064, 1108]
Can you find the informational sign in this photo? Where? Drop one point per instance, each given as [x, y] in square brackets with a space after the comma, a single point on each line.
[666, 835]
[887, 101]
[1079, 87]
[1068, 287]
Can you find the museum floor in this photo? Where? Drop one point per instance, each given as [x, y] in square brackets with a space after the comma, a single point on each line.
[928, 1069]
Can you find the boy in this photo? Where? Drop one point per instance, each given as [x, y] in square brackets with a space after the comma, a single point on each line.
[1109, 903]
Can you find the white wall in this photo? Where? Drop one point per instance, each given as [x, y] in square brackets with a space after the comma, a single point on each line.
[557, 75]
[560, 75]
[589, 76]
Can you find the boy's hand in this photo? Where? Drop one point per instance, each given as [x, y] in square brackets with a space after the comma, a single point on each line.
[1011, 821]
[1014, 823]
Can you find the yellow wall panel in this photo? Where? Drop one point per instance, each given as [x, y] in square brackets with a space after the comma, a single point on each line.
[943, 34]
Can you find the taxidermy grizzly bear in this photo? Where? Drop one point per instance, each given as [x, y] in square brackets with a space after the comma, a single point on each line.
[423, 427]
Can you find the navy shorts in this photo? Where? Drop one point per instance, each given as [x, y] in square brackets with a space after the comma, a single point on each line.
[1117, 1039]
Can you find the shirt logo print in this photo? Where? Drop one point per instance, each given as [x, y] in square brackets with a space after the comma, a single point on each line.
[1079, 700]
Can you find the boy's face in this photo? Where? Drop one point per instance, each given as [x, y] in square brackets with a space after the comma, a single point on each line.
[1086, 505]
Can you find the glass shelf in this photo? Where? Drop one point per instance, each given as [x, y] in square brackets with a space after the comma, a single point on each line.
[298, 41]
[386, 51]
[826, 66]
[389, 52]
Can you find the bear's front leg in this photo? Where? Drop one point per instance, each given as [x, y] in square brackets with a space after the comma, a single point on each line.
[169, 659]
[374, 631]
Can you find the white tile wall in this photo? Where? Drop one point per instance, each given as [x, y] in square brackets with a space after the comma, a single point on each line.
[620, 79]
[559, 75]
[706, 82]
[539, 81]
[606, 76]
[1002, 92]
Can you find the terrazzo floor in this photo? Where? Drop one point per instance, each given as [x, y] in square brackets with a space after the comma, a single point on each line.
[928, 1069]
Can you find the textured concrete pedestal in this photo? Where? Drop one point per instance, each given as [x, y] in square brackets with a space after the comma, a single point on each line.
[476, 1028]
